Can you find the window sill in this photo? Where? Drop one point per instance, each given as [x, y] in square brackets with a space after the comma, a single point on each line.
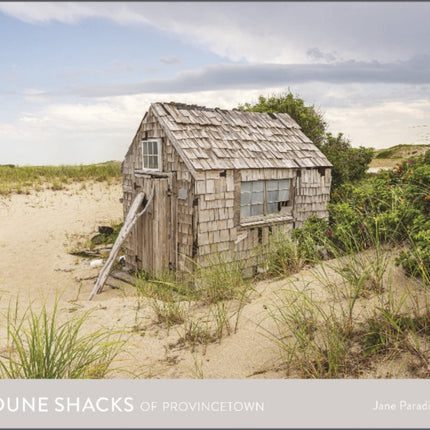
[148, 172]
[262, 222]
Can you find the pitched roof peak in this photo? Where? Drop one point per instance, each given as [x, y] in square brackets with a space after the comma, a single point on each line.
[214, 138]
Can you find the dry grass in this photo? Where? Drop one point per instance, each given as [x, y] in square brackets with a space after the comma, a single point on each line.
[391, 157]
[352, 319]
[23, 179]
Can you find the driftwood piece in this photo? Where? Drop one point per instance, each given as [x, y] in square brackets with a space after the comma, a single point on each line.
[129, 222]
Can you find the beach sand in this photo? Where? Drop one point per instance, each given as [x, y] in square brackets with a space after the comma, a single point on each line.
[37, 233]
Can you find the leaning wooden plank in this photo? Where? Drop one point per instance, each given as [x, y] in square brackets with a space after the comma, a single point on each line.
[126, 228]
[129, 222]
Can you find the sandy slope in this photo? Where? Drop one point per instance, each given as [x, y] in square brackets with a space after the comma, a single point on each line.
[36, 233]
[38, 230]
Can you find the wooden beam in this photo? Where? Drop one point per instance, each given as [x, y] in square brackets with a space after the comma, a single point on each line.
[129, 222]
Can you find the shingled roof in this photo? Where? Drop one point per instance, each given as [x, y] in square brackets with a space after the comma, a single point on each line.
[232, 139]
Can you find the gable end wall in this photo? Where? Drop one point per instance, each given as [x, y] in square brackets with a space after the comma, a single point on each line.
[181, 180]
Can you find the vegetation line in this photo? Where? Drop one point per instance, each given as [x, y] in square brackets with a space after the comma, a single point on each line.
[23, 179]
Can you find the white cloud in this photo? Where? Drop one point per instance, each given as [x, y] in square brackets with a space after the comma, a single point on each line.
[47, 11]
[69, 12]
[92, 132]
[104, 128]
[119, 67]
[277, 32]
[315, 54]
[383, 124]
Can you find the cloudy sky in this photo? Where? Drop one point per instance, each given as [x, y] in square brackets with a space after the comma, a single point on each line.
[76, 78]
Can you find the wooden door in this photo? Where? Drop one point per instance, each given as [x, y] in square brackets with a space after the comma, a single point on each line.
[155, 230]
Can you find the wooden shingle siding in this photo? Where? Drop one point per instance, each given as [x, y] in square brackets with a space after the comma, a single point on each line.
[205, 156]
[312, 195]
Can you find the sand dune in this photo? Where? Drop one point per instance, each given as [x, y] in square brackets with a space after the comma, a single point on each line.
[37, 232]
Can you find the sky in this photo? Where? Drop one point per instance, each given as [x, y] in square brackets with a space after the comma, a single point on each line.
[77, 78]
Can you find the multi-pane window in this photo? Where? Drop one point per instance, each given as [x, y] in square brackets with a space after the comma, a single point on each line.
[278, 194]
[251, 199]
[259, 198]
[150, 154]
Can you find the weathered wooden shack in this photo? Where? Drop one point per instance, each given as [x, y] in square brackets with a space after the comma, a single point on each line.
[222, 180]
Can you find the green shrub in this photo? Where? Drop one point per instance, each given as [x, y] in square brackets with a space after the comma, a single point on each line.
[312, 238]
[392, 207]
[284, 255]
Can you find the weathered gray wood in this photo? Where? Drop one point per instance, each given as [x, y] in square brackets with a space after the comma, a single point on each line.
[206, 154]
[129, 222]
[174, 142]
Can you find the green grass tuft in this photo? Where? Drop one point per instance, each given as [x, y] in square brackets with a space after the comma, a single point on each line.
[41, 347]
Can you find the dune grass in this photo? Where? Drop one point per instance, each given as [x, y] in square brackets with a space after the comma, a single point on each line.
[350, 314]
[22, 179]
[39, 346]
[347, 338]
[205, 306]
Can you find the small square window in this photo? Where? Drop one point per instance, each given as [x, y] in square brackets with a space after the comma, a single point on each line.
[150, 155]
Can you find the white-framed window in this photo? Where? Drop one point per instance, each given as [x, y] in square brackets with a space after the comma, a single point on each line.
[260, 198]
[151, 154]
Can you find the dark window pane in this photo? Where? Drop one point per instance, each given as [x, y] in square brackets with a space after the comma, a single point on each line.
[272, 208]
[258, 197]
[257, 186]
[256, 210]
[246, 187]
[272, 185]
[272, 196]
[153, 162]
[245, 211]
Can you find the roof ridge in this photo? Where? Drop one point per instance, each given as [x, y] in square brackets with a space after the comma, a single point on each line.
[180, 105]
[215, 138]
